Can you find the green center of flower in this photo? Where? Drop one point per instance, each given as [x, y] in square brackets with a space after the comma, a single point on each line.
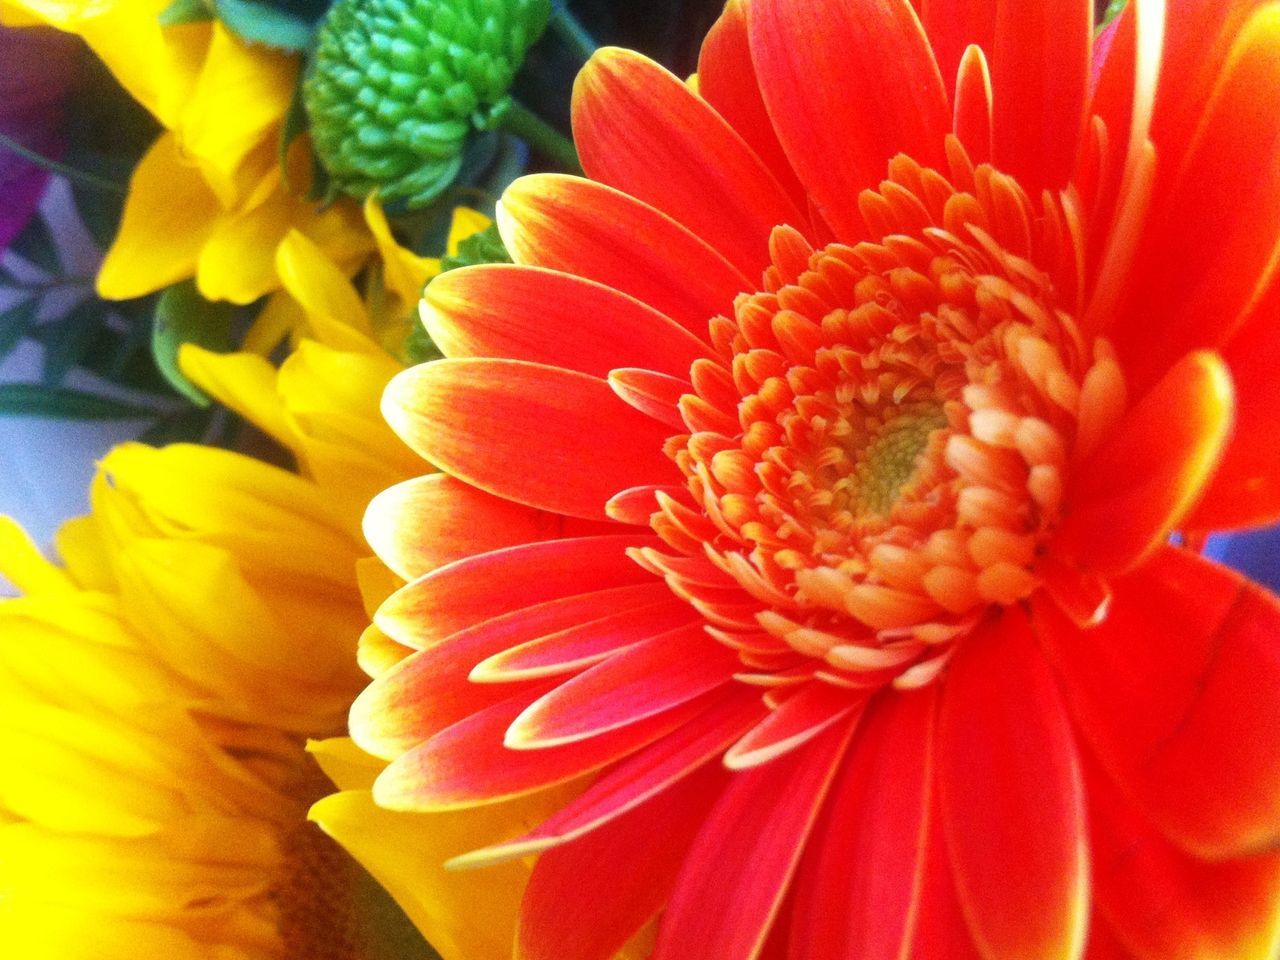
[891, 459]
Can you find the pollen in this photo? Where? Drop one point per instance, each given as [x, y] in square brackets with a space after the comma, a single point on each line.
[880, 450]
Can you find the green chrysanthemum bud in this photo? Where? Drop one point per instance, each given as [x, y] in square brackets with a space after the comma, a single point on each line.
[395, 87]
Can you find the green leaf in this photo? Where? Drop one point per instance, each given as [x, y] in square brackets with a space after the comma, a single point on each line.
[185, 426]
[185, 11]
[67, 339]
[15, 322]
[63, 403]
[35, 245]
[261, 23]
[183, 316]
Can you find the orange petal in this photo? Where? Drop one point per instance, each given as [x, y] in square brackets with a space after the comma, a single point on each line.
[856, 890]
[952, 25]
[938, 929]
[544, 316]
[848, 84]
[973, 105]
[430, 690]
[640, 129]
[542, 436]
[727, 81]
[1166, 905]
[794, 722]
[467, 764]
[599, 233]
[424, 523]
[1138, 485]
[655, 674]
[1245, 490]
[1212, 238]
[586, 899]
[488, 585]
[1176, 692]
[755, 835]
[1012, 803]
[1039, 78]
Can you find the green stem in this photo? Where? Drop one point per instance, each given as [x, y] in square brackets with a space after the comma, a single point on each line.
[541, 136]
[571, 32]
[53, 166]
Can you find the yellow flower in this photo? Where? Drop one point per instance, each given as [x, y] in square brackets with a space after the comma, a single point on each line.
[157, 689]
[209, 199]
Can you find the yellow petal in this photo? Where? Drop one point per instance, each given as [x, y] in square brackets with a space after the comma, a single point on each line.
[464, 914]
[245, 382]
[79, 543]
[158, 66]
[230, 125]
[279, 317]
[237, 262]
[334, 311]
[403, 271]
[23, 564]
[168, 215]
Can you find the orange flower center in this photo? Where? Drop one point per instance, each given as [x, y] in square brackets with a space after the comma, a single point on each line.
[883, 449]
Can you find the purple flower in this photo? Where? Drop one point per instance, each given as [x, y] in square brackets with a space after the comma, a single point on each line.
[37, 67]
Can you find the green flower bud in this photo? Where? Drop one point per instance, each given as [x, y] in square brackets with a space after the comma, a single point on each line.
[395, 87]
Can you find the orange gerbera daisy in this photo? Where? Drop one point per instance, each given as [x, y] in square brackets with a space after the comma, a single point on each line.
[810, 478]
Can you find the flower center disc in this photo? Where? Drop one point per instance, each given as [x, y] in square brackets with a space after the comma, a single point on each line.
[881, 451]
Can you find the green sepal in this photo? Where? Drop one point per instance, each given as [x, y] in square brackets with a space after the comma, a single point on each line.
[269, 25]
[35, 244]
[183, 316]
[485, 246]
[64, 403]
[185, 11]
[15, 322]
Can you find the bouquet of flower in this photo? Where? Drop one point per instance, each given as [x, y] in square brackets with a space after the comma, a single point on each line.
[798, 492]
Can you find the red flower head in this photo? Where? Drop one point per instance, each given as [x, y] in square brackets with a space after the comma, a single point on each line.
[809, 481]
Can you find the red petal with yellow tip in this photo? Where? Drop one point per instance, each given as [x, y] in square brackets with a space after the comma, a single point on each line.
[638, 778]
[842, 110]
[1245, 490]
[1141, 481]
[727, 81]
[1011, 797]
[467, 764]
[463, 521]
[796, 721]
[656, 674]
[429, 691]
[1164, 904]
[877, 814]
[952, 25]
[1039, 78]
[755, 835]
[594, 231]
[1176, 692]
[651, 610]
[586, 900]
[638, 128]
[554, 318]
[513, 429]
[488, 585]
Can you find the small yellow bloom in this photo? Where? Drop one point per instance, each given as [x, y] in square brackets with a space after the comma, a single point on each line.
[209, 199]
